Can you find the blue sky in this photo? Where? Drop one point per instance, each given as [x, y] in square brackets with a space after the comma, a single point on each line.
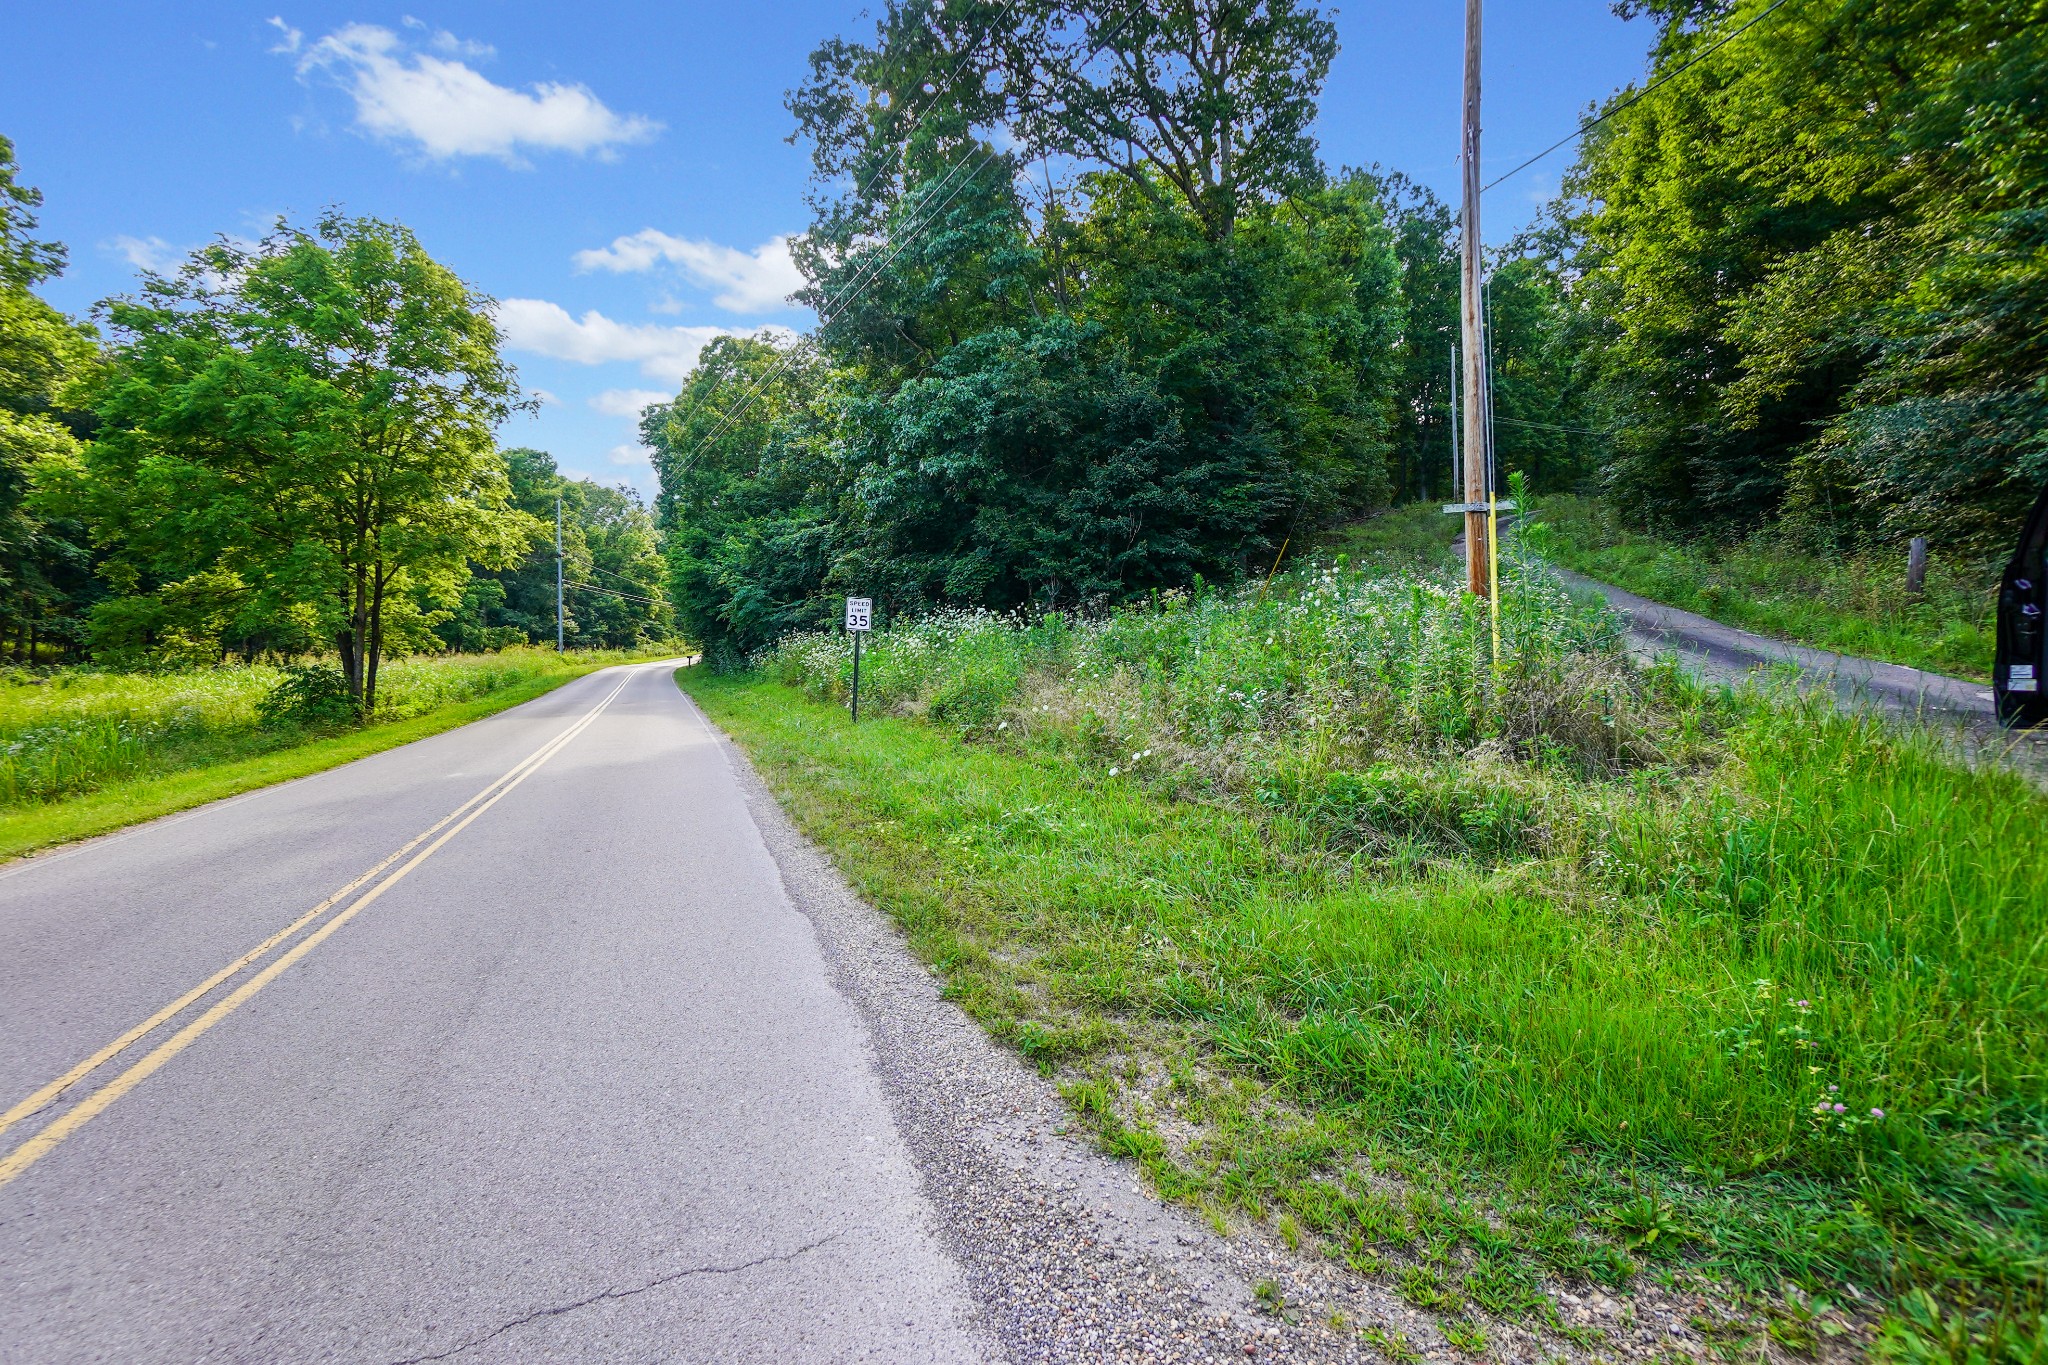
[615, 174]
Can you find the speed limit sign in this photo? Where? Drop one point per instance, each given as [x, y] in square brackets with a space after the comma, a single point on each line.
[860, 619]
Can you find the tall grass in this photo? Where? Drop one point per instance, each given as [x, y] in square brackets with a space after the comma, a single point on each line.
[1573, 923]
[71, 731]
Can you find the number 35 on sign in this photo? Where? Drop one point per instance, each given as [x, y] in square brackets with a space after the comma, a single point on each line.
[860, 612]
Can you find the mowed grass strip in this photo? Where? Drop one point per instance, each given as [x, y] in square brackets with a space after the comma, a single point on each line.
[241, 758]
[1623, 1042]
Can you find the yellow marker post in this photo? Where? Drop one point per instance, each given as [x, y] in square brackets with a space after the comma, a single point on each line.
[1493, 573]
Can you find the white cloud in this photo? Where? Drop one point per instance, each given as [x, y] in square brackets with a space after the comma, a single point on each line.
[630, 455]
[441, 40]
[664, 353]
[629, 402]
[148, 253]
[292, 39]
[448, 109]
[757, 281]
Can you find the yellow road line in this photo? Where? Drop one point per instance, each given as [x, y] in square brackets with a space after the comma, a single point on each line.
[34, 1148]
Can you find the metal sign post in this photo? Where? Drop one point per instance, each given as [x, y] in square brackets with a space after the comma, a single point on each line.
[860, 613]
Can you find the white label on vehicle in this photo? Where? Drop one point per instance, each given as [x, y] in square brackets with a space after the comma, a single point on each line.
[860, 612]
[2020, 678]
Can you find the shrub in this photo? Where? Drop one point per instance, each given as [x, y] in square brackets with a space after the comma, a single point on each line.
[313, 696]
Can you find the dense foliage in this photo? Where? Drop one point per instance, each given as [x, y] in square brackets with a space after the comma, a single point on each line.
[45, 565]
[288, 449]
[1167, 349]
[1813, 270]
[615, 596]
[295, 441]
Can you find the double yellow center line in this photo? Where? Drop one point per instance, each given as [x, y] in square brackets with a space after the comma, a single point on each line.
[324, 914]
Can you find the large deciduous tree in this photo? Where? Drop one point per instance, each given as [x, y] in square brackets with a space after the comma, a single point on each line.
[300, 434]
[1204, 103]
[1092, 321]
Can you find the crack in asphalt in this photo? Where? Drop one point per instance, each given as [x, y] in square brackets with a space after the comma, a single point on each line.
[610, 1294]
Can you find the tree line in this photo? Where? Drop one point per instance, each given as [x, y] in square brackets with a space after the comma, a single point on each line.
[1095, 318]
[1146, 336]
[283, 449]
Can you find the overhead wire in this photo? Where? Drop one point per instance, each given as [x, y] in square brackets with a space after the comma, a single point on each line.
[854, 288]
[1549, 426]
[1668, 76]
[621, 577]
[614, 592]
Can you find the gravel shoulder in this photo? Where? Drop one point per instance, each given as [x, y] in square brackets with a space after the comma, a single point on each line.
[1070, 1257]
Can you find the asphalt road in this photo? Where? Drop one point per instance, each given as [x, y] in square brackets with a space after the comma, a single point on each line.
[568, 1080]
[1729, 654]
[1955, 711]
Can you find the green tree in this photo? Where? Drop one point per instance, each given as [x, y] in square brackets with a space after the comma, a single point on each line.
[623, 602]
[45, 570]
[298, 434]
[754, 498]
[1204, 103]
[1426, 254]
[1172, 361]
[1542, 423]
[1814, 273]
[611, 556]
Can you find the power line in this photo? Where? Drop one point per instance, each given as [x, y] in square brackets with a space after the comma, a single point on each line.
[872, 272]
[1591, 124]
[1547, 426]
[613, 592]
[859, 285]
[848, 293]
[621, 577]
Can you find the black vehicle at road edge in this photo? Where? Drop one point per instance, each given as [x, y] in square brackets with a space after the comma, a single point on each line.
[2018, 667]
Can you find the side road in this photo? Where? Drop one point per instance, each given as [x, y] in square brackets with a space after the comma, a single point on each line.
[1955, 710]
[1727, 654]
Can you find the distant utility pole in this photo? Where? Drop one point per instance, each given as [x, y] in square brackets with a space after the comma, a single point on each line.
[558, 573]
[1478, 546]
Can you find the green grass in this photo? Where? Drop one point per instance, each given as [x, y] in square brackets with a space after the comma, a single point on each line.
[1851, 605]
[1416, 536]
[85, 752]
[1477, 978]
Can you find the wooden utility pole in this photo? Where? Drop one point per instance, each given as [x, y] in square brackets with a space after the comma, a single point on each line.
[1477, 545]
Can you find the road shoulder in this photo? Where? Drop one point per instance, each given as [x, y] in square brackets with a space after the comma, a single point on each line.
[1071, 1258]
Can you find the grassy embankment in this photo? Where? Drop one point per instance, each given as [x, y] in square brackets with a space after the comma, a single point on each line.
[1472, 981]
[83, 752]
[1853, 605]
